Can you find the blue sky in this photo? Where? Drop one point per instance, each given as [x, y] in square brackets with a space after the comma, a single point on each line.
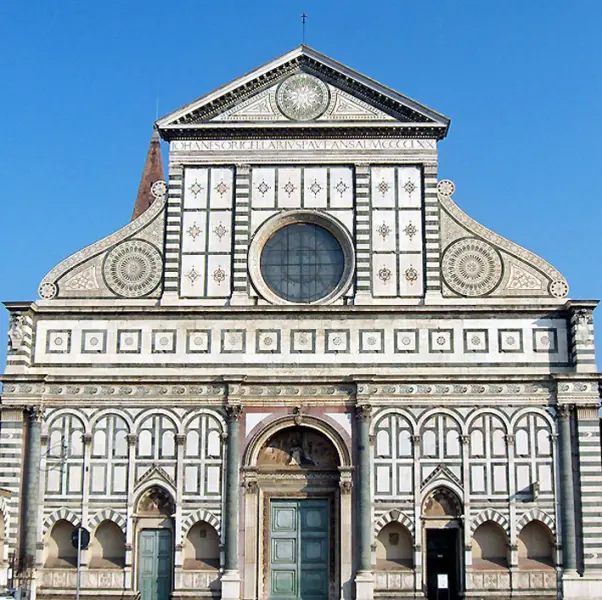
[520, 79]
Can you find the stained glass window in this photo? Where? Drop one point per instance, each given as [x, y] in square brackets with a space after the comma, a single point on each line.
[302, 262]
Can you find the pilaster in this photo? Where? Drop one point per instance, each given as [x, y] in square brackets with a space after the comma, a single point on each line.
[242, 234]
[363, 293]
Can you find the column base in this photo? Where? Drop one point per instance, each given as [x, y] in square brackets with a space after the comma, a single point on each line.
[364, 585]
[581, 587]
[231, 585]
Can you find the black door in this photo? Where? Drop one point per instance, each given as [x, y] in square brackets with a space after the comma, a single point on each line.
[442, 564]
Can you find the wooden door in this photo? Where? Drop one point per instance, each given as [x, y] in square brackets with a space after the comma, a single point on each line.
[299, 550]
[155, 559]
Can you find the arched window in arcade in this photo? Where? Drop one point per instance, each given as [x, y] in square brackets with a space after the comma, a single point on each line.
[107, 547]
[60, 552]
[109, 468]
[535, 547]
[489, 547]
[394, 548]
[201, 548]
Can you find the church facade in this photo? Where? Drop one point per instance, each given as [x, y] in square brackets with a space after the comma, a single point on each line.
[302, 372]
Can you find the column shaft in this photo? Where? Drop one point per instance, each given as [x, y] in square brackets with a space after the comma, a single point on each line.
[232, 487]
[31, 491]
[364, 505]
[567, 492]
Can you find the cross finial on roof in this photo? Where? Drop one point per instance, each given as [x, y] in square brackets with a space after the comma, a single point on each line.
[303, 21]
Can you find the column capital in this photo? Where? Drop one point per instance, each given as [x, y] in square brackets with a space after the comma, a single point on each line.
[87, 439]
[565, 411]
[464, 439]
[510, 439]
[363, 412]
[234, 412]
[345, 486]
[180, 439]
[416, 440]
[132, 438]
[36, 413]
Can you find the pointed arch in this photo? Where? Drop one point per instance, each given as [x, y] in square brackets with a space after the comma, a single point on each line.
[535, 514]
[108, 514]
[62, 514]
[490, 515]
[200, 515]
[394, 516]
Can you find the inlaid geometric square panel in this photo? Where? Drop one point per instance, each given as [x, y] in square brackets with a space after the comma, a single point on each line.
[129, 341]
[195, 188]
[303, 341]
[337, 341]
[372, 340]
[267, 341]
[476, 340]
[198, 341]
[384, 275]
[406, 340]
[94, 341]
[221, 188]
[441, 340]
[164, 341]
[58, 341]
[233, 341]
[218, 280]
[545, 340]
[510, 340]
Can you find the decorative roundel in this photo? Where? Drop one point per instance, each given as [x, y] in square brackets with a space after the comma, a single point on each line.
[133, 269]
[471, 267]
[47, 290]
[159, 189]
[446, 187]
[302, 97]
[558, 288]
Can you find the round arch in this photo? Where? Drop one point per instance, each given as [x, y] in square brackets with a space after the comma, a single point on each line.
[441, 411]
[257, 442]
[378, 417]
[487, 411]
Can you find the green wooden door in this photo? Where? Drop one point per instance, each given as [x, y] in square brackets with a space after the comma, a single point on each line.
[155, 564]
[299, 551]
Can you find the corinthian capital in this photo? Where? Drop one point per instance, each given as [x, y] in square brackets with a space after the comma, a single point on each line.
[234, 412]
[363, 412]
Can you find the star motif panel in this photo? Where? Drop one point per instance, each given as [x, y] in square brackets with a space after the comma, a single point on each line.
[207, 233]
[396, 239]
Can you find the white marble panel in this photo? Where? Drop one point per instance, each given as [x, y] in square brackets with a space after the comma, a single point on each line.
[383, 479]
[410, 187]
[384, 274]
[315, 187]
[383, 186]
[218, 276]
[191, 479]
[98, 478]
[195, 188]
[383, 444]
[410, 231]
[212, 474]
[341, 187]
[53, 479]
[289, 188]
[384, 231]
[404, 479]
[263, 188]
[346, 217]
[74, 476]
[544, 476]
[259, 217]
[500, 479]
[477, 478]
[192, 276]
[252, 419]
[222, 188]
[523, 477]
[220, 231]
[119, 479]
[343, 419]
[194, 231]
[411, 276]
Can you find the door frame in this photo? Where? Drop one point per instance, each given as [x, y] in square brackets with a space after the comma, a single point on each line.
[452, 526]
[151, 527]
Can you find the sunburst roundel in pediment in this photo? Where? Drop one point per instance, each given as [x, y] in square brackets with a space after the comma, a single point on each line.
[302, 97]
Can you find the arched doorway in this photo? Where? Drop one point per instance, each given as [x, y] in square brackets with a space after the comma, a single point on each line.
[298, 483]
[443, 540]
[154, 519]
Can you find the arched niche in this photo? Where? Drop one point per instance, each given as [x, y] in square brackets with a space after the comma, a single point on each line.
[535, 547]
[489, 547]
[297, 448]
[201, 548]
[60, 553]
[107, 547]
[155, 508]
[442, 504]
[394, 548]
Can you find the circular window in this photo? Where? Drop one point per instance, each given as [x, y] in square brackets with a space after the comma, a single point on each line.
[301, 257]
[302, 262]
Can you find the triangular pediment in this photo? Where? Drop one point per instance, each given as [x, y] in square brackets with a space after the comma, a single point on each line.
[305, 88]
